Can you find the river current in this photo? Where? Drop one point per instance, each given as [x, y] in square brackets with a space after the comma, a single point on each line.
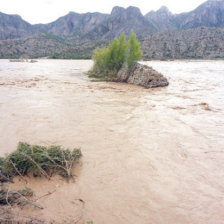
[150, 156]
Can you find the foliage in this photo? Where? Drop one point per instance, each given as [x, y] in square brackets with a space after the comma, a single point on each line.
[134, 50]
[108, 61]
[39, 160]
[100, 59]
[117, 53]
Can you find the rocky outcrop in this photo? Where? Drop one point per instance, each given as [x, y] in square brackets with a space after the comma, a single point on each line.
[142, 75]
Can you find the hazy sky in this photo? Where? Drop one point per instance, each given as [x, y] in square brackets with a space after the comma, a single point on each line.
[44, 11]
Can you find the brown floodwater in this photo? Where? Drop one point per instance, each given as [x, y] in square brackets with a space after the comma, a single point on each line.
[150, 156]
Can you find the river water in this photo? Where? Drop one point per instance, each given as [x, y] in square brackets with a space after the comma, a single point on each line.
[150, 156]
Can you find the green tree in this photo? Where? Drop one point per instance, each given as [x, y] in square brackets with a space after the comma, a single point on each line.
[122, 50]
[100, 58]
[113, 55]
[134, 50]
[108, 61]
[117, 53]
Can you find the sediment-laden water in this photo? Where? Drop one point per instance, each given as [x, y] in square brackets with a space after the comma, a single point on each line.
[149, 155]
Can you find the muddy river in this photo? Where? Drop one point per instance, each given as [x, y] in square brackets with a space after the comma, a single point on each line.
[150, 156]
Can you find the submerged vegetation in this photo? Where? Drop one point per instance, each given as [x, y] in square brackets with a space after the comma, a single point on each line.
[108, 61]
[39, 161]
[15, 197]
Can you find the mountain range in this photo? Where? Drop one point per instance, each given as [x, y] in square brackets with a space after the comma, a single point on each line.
[197, 34]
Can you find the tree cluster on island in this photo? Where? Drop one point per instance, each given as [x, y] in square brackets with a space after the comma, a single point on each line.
[108, 61]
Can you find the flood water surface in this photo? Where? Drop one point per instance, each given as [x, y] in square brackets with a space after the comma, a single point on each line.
[150, 156]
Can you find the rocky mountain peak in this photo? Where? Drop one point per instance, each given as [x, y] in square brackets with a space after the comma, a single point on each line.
[164, 9]
[130, 11]
[71, 13]
[117, 10]
[13, 26]
[208, 14]
[212, 4]
[163, 12]
[134, 11]
[161, 18]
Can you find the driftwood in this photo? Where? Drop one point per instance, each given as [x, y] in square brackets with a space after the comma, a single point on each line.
[13, 164]
[10, 198]
[3, 178]
[49, 193]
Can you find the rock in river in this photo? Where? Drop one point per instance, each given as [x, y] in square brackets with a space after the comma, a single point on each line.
[142, 75]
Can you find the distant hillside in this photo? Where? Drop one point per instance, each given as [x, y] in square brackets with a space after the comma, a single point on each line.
[45, 45]
[163, 34]
[13, 26]
[202, 42]
[73, 24]
[208, 14]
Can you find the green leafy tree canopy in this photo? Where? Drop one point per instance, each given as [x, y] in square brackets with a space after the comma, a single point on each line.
[108, 61]
[134, 50]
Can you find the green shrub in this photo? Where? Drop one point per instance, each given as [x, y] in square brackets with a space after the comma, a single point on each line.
[39, 160]
[108, 61]
[100, 58]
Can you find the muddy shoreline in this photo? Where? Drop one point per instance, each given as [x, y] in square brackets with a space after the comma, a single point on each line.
[149, 156]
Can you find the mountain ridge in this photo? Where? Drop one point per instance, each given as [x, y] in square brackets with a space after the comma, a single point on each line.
[209, 14]
[86, 29]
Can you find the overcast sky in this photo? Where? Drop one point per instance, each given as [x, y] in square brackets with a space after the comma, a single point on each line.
[45, 11]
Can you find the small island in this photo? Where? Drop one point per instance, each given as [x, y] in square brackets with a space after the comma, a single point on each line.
[118, 63]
